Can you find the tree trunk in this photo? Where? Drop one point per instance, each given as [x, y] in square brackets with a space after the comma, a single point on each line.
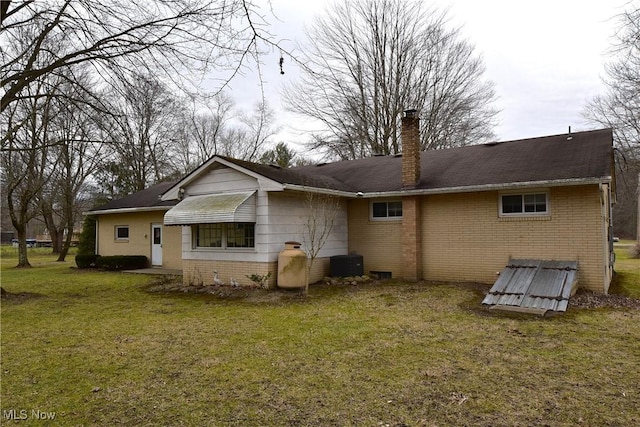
[23, 259]
[67, 242]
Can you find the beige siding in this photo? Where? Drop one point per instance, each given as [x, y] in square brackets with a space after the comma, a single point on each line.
[379, 242]
[139, 242]
[464, 239]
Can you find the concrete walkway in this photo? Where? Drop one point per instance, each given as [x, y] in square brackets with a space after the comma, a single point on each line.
[159, 271]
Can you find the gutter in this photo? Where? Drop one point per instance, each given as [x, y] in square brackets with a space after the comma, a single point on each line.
[395, 193]
[127, 210]
[449, 190]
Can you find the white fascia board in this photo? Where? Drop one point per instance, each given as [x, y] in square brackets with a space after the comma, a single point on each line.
[450, 190]
[265, 183]
[328, 191]
[174, 192]
[490, 187]
[127, 210]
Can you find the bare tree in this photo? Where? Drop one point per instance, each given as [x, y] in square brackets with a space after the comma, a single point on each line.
[202, 130]
[248, 139]
[180, 38]
[368, 60]
[25, 165]
[619, 109]
[77, 155]
[322, 211]
[140, 130]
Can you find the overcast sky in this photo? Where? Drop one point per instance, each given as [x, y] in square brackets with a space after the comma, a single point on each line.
[546, 59]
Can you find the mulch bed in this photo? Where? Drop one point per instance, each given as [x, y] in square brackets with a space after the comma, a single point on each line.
[584, 299]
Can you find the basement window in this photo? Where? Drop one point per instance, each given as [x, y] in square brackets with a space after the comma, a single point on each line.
[387, 210]
[525, 204]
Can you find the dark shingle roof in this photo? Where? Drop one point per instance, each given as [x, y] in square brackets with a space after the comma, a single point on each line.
[553, 158]
[147, 198]
[586, 155]
[296, 176]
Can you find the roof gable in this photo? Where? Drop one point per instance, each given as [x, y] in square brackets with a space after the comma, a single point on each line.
[263, 179]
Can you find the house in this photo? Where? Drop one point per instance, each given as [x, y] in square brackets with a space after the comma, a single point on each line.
[134, 225]
[458, 214]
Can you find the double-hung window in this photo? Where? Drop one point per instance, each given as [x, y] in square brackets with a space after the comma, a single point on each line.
[225, 235]
[386, 210]
[526, 204]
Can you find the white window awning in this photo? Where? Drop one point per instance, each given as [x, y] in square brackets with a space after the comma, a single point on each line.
[213, 208]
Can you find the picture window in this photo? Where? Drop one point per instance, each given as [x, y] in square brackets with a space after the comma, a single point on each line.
[225, 235]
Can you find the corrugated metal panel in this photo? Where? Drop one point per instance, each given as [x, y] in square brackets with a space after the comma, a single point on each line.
[534, 284]
[213, 208]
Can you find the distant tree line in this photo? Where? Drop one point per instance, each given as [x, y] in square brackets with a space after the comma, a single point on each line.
[619, 109]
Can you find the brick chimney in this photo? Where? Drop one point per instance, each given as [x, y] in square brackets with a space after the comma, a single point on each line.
[410, 137]
[411, 216]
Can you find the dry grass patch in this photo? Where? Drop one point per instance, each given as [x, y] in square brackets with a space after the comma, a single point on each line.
[99, 349]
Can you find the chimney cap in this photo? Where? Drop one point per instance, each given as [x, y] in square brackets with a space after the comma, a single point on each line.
[411, 113]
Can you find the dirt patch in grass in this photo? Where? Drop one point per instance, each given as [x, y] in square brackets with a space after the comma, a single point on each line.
[17, 298]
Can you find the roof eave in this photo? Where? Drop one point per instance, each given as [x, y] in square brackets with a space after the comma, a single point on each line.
[320, 190]
[487, 187]
[127, 210]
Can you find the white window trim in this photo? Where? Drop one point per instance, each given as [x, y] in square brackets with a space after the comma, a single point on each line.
[224, 247]
[524, 214]
[121, 239]
[386, 218]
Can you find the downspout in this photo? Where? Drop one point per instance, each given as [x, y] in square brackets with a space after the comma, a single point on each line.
[607, 228]
[96, 244]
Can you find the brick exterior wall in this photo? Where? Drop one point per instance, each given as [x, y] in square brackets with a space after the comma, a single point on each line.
[379, 242]
[200, 272]
[465, 240]
[462, 238]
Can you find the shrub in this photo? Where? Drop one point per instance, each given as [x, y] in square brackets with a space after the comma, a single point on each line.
[634, 251]
[259, 279]
[87, 243]
[122, 262]
[87, 260]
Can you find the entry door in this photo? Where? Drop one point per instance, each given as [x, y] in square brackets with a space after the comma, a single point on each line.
[156, 244]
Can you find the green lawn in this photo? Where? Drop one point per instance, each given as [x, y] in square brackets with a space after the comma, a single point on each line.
[97, 348]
